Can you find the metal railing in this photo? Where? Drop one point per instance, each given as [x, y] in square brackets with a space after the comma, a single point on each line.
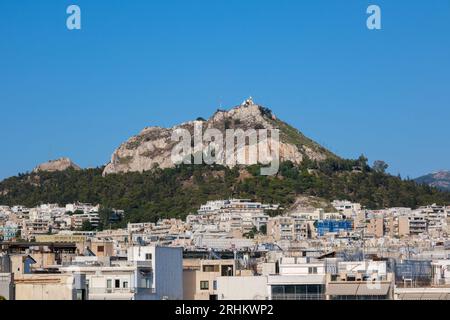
[299, 296]
[134, 290]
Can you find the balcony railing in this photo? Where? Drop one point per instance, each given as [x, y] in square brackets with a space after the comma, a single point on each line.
[293, 296]
[134, 290]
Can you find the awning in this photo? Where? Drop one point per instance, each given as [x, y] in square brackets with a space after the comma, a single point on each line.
[373, 289]
[342, 289]
[410, 296]
[433, 296]
[357, 289]
[424, 296]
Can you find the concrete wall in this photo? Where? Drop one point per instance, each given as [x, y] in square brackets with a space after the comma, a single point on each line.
[242, 288]
[7, 286]
[44, 287]
[43, 259]
[403, 226]
[189, 281]
[191, 284]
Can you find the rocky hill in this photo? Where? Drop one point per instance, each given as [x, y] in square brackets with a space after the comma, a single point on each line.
[153, 145]
[309, 176]
[56, 165]
[440, 179]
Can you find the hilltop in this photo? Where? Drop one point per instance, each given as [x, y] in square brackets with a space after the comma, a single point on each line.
[439, 179]
[57, 165]
[153, 145]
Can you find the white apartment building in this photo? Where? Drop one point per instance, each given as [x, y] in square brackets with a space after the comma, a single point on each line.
[233, 214]
[79, 219]
[299, 278]
[347, 208]
[149, 273]
[167, 266]
[85, 207]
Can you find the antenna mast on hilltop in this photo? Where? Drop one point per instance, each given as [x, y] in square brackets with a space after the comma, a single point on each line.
[248, 102]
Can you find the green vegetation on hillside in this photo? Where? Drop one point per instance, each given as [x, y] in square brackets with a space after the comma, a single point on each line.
[293, 136]
[179, 191]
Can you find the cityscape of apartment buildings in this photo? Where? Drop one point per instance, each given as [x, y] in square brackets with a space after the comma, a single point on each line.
[231, 249]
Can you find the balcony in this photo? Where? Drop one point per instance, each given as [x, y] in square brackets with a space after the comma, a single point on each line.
[144, 264]
[131, 291]
[293, 296]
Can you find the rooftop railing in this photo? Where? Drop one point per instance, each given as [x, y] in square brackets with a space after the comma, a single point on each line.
[294, 296]
[134, 290]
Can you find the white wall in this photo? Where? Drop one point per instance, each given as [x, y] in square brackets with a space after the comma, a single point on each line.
[242, 288]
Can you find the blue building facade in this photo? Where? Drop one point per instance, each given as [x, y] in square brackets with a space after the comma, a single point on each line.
[327, 226]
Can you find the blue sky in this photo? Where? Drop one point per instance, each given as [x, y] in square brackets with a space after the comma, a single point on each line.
[139, 63]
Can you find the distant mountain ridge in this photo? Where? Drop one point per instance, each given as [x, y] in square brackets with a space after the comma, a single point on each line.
[439, 179]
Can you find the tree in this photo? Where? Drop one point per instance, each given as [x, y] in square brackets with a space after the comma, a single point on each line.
[362, 162]
[251, 234]
[87, 226]
[263, 229]
[380, 166]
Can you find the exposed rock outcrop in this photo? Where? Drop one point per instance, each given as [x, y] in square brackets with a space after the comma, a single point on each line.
[57, 165]
[153, 145]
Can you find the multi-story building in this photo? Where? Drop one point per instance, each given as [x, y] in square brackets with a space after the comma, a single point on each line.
[200, 277]
[299, 278]
[412, 225]
[360, 280]
[8, 231]
[30, 228]
[347, 208]
[166, 264]
[79, 219]
[50, 287]
[375, 227]
[333, 226]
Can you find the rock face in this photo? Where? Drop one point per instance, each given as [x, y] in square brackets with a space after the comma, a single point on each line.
[440, 179]
[153, 146]
[57, 165]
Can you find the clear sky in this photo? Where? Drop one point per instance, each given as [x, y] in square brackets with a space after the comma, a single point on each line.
[139, 63]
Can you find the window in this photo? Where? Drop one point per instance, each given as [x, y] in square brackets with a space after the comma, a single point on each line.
[227, 271]
[211, 268]
[81, 295]
[215, 285]
[117, 283]
[101, 249]
[109, 283]
[148, 256]
[125, 284]
[312, 270]
[204, 285]
[298, 292]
